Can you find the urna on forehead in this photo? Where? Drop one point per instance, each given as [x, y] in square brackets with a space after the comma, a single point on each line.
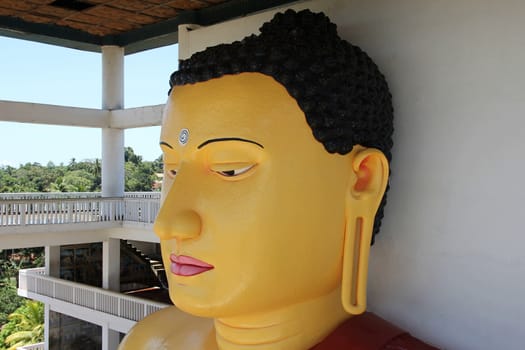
[184, 136]
[243, 105]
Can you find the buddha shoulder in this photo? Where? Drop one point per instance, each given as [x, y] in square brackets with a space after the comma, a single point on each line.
[169, 329]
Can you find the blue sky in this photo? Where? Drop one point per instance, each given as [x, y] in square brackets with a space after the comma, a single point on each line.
[43, 73]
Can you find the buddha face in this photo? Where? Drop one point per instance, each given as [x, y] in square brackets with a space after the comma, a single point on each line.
[253, 209]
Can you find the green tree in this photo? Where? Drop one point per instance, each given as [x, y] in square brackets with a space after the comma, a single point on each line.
[130, 156]
[158, 165]
[84, 176]
[9, 299]
[139, 177]
[9, 267]
[77, 181]
[28, 327]
[5, 331]
[7, 179]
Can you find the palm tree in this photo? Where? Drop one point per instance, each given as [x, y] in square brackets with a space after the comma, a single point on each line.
[30, 325]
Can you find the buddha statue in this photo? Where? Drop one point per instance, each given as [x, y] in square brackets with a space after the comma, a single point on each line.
[276, 162]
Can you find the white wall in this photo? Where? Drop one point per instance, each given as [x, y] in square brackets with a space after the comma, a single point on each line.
[449, 264]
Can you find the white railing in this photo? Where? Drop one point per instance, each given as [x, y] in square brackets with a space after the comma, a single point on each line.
[146, 195]
[37, 346]
[71, 195]
[48, 195]
[60, 211]
[98, 299]
[139, 207]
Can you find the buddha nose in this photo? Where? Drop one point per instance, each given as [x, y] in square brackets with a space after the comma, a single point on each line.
[176, 218]
[184, 224]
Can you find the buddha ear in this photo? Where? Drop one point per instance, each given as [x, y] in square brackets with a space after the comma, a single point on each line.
[369, 178]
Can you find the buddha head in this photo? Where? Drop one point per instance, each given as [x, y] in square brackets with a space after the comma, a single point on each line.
[276, 162]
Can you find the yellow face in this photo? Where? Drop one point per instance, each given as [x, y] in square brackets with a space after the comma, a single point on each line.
[253, 211]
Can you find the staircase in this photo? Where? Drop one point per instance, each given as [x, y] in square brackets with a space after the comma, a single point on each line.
[150, 272]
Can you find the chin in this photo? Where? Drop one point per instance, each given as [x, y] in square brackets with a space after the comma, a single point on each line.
[208, 309]
[199, 311]
[192, 306]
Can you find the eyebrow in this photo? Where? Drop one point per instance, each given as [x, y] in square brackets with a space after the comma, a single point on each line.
[228, 139]
[165, 144]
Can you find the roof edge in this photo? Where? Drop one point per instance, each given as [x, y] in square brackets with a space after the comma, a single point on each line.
[49, 34]
[145, 38]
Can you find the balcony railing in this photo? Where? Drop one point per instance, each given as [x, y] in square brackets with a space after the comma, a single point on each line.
[53, 195]
[37, 346]
[98, 299]
[23, 209]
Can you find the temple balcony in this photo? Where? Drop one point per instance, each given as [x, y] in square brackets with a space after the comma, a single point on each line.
[99, 306]
[38, 219]
[90, 242]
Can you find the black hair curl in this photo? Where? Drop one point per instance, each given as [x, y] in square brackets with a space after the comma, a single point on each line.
[341, 91]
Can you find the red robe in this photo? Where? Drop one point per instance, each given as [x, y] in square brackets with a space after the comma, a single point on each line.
[369, 332]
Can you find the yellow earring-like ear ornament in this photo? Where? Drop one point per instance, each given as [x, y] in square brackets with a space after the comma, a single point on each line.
[366, 189]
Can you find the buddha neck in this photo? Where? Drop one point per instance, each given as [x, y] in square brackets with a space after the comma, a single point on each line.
[295, 327]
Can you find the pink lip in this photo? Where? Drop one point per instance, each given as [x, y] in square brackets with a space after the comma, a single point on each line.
[182, 265]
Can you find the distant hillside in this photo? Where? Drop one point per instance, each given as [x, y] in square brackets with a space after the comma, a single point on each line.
[84, 176]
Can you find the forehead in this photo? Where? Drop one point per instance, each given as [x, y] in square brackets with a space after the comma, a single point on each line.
[246, 105]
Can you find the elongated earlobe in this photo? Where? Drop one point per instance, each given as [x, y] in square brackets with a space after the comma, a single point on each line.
[370, 169]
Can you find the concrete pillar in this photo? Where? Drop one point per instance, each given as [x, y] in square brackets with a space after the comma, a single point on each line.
[111, 264]
[111, 281]
[47, 323]
[112, 171]
[52, 260]
[112, 139]
[110, 338]
[52, 268]
[112, 163]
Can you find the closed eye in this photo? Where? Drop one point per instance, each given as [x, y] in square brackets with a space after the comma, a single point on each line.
[235, 172]
[172, 173]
